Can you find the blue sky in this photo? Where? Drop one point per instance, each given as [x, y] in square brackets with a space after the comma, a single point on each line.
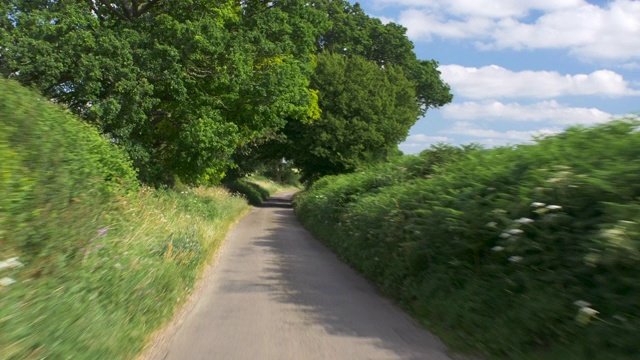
[519, 68]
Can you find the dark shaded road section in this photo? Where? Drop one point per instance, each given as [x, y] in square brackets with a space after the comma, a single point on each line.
[276, 293]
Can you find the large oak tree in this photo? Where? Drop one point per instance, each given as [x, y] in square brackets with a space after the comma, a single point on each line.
[371, 88]
[179, 83]
[192, 88]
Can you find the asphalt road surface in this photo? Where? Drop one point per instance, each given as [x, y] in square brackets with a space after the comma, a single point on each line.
[276, 293]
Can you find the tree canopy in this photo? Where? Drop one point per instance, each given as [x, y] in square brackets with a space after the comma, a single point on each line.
[371, 88]
[192, 88]
[366, 111]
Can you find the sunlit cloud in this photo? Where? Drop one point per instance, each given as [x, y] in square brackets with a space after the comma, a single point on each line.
[497, 82]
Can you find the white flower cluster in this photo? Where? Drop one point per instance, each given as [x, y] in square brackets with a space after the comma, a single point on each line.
[523, 221]
[6, 281]
[515, 258]
[585, 312]
[10, 263]
[512, 234]
[539, 205]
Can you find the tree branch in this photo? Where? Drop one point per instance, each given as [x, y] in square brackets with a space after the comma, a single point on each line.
[147, 7]
[134, 7]
[126, 5]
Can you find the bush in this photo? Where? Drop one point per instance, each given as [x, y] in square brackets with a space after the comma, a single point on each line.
[254, 193]
[50, 163]
[96, 263]
[509, 251]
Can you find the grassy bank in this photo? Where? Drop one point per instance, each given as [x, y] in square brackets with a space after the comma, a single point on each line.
[256, 189]
[527, 252]
[91, 262]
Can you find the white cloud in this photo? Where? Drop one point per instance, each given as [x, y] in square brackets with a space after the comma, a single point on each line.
[497, 82]
[494, 137]
[633, 65]
[550, 111]
[589, 30]
[385, 20]
[423, 25]
[608, 31]
[489, 8]
[418, 142]
[422, 138]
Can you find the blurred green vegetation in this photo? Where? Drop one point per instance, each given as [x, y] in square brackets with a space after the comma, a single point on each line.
[101, 262]
[523, 252]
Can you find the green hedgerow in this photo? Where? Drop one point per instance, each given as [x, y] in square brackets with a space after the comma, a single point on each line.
[493, 248]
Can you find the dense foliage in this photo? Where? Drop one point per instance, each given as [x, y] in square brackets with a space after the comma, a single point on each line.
[49, 160]
[90, 263]
[190, 88]
[352, 32]
[371, 89]
[519, 252]
[366, 112]
[180, 84]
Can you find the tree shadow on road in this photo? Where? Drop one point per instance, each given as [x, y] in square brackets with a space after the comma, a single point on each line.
[304, 273]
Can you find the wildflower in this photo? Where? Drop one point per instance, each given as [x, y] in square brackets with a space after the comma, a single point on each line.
[103, 231]
[581, 303]
[515, 259]
[491, 224]
[497, 248]
[537, 204]
[505, 235]
[589, 311]
[523, 220]
[613, 233]
[554, 207]
[10, 263]
[515, 231]
[6, 281]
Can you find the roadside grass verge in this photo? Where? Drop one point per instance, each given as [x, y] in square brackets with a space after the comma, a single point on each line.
[525, 252]
[270, 185]
[92, 264]
[122, 283]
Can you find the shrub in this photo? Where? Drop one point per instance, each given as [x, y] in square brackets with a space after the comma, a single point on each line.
[254, 193]
[50, 163]
[96, 264]
[471, 250]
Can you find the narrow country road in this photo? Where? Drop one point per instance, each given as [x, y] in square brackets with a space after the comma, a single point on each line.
[276, 293]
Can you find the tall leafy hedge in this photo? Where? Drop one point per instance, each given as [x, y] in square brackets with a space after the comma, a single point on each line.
[50, 162]
[518, 252]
